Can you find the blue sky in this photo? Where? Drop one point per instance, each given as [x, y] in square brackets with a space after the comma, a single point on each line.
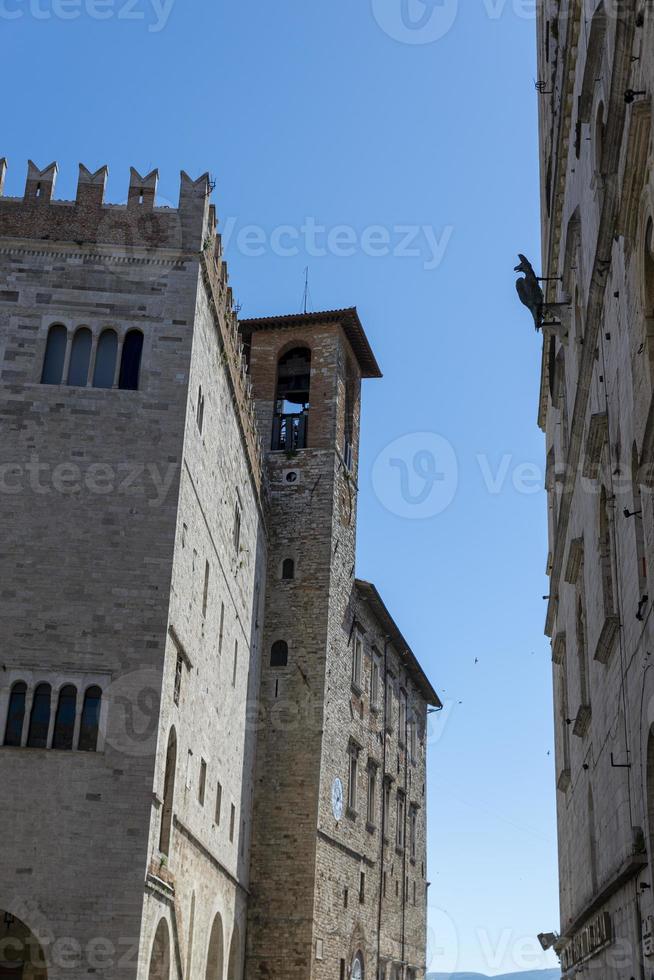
[338, 113]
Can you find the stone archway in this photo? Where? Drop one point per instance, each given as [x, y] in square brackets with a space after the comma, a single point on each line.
[215, 954]
[21, 954]
[160, 957]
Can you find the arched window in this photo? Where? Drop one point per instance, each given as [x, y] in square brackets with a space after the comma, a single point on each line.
[160, 958]
[290, 422]
[357, 968]
[55, 355]
[90, 723]
[169, 794]
[288, 569]
[130, 362]
[215, 954]
[37, 737]
[105, 360]
[16, 715]
[279, 654]
[64, 728]
[80, 358]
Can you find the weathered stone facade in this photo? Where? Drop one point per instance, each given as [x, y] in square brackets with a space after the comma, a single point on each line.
[596, 77]
[167, 790]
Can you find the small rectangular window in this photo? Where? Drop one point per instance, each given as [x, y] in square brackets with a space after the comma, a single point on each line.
[346, 897]
[219, 803]
[232, 822]
[389, 702]
[357, 660]
[413, 826]
[399, 837]
[372, 795]
[205, 593]
[221, 628]
[352, 782]
[237, 527]
[374, 682]
[203, 782]
[362, 888]
[401, 733]
[342, 974]
[199, 415]
[179, 670]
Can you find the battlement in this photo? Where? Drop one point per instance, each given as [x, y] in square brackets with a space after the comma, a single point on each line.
[137, 224]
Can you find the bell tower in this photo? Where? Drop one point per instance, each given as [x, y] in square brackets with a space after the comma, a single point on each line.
[306, 372]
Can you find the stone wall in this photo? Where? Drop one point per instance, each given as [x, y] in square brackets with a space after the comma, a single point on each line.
[595, 407]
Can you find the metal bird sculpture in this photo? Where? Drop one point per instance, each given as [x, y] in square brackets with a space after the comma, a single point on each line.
[529, 291]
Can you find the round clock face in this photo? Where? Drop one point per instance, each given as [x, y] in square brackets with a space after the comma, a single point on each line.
[337, 799]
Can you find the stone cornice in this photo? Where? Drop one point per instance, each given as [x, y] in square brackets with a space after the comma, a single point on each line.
[107, 253]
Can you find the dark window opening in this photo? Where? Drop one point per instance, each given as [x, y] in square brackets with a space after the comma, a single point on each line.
[130, 361]
[105, 360]
[179, 669]
[40, 718]
[16, 715]
[80, 358]
[55, 355]
[279, 654]
[199, 414]
[169, 794]
[288, 569]
[90, 723]
[64, 729]
[290, 422]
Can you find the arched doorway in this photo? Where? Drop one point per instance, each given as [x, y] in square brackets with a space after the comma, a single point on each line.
[357, 967]
[215, 954]
[234, 971]
[160, 958]
[21, 954]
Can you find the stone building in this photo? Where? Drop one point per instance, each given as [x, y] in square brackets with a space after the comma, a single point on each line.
[213, 735]
[596, 78]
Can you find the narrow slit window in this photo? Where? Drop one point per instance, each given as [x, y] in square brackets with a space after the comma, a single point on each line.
[16, 715]
[90, 724]
[55, 355]
[104, 371]
[130, 361]
[80, 358]
[64, 728]
[40, 718]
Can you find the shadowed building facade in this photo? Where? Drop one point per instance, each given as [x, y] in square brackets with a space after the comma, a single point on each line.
[213, 735]
[596, 75]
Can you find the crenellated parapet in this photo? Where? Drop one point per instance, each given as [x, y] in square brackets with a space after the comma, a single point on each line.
[139, 230]
[89, 220]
